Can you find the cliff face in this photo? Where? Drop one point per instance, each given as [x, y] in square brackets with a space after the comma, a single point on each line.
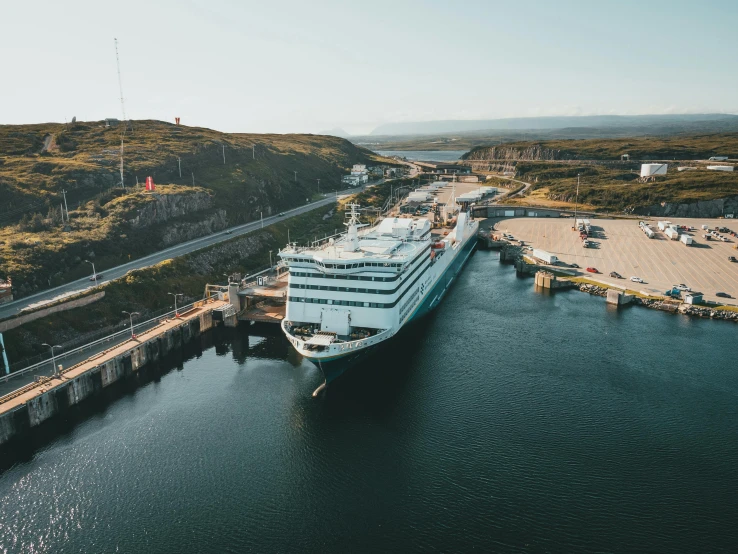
[533, 152]
[182, 232]
[706, 208]
[160, 208]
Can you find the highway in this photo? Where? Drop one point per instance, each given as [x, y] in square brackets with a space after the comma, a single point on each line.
[12, 308]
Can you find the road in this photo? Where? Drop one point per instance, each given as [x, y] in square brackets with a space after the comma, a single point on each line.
[12, 308]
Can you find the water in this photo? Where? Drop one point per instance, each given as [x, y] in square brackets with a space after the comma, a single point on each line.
[507, 421]
[425, 155]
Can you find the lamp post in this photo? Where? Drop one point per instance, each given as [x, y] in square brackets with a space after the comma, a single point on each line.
[53, 358]
[176, 313]
[94, 273]
[270, 259]
[318, 186]
[130, 316]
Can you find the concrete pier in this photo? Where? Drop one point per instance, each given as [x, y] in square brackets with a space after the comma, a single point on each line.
[31, 405]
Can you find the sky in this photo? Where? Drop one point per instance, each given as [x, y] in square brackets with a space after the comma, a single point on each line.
[310, 66]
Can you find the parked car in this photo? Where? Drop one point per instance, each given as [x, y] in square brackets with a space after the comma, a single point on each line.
[615, 275]
[732, 259]
[723, 295]
[281, 214]
[228, 232]
[682, 287]
[636, 279]
[592, 270]
[576, 266]
[96, 277]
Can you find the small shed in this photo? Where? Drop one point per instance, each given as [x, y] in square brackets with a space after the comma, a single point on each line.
[693, 298]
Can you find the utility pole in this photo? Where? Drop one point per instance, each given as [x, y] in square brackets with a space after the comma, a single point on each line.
[179, 163]
[193, 178]
[253, 151]
[224, 154]
[576, 205]
[295, 176]
[270, 259]
[64, 193]
[318, 186]
[261, 217]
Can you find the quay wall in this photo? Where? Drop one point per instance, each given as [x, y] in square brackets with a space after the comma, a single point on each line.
[71, 390]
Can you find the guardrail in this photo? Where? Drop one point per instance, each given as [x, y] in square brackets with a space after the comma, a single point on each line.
[109, 338]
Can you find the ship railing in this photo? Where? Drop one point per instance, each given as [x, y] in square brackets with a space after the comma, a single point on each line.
[354, 344]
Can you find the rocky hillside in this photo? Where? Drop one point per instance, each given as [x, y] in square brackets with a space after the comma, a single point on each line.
[225, 179]
[642, 148]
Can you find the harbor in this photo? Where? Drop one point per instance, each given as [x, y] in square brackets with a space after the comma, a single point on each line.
[228, 436]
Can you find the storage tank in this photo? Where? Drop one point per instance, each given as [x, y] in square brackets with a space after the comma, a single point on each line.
[648, 170]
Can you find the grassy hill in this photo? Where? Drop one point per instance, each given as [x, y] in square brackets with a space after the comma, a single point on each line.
[112, 224]
[618, 189]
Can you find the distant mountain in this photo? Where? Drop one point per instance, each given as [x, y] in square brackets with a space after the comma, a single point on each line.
[554, 122]
[336, 132]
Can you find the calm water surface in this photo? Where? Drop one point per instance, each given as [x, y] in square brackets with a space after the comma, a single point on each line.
[426, 155]
[507, 421]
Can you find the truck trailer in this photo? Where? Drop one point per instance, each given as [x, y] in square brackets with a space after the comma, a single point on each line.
[545, 256]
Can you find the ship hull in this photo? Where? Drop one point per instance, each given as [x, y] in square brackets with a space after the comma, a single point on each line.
[336, 366]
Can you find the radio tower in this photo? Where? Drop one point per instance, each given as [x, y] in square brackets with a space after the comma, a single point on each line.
[123, 109]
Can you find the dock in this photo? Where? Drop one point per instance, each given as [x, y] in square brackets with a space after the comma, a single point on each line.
[34, 403]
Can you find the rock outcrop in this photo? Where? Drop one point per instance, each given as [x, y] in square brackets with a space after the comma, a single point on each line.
[163, 207]
[176, 233]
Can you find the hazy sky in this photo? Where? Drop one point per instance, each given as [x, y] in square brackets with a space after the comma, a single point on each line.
[307, 66]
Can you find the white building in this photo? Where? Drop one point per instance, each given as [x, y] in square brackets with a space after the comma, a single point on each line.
[355, 180]
[720, 167]
[649, 170]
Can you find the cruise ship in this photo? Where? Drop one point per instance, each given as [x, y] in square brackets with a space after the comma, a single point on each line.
[349, 294]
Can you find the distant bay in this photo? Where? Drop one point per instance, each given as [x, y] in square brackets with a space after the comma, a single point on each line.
[425, 155]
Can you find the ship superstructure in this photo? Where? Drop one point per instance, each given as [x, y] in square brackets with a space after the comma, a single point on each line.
[352, 292]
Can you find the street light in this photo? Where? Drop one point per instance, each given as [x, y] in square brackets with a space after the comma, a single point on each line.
[130, 316]
[53, 358]
[94, 273]
[176, 313]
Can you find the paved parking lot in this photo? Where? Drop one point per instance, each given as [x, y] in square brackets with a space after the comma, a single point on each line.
[621, 246]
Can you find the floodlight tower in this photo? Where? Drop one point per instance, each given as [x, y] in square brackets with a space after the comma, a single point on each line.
[123, 109]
